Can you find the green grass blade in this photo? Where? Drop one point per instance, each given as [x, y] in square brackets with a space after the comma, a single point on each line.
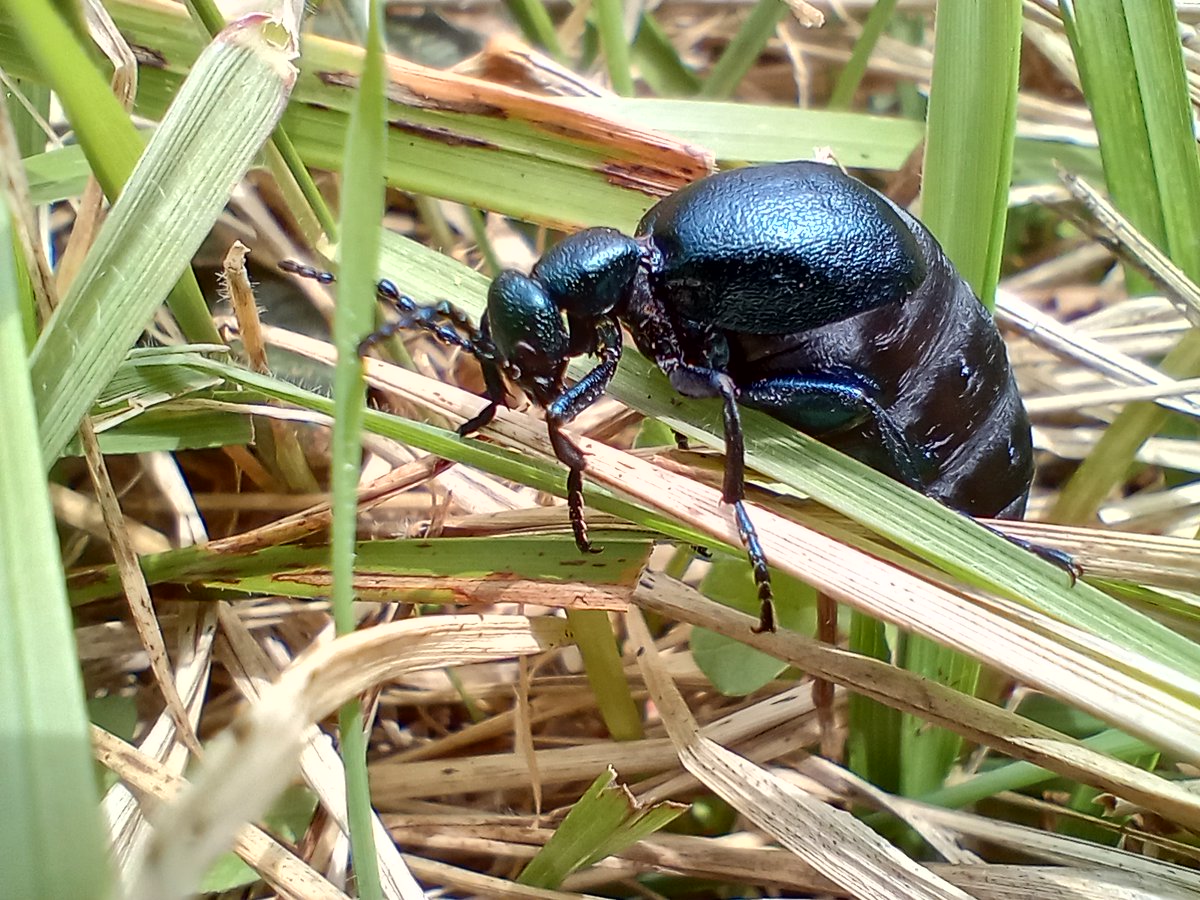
[296, 570]
[969, 145]
[874, 729]
[1016, 776]
[852, 73]
[659, 64]
[30, 136]
[754, 133]
[109, 140]
[743, 51]
[51, 840]
[102, 127]
[220, 119]
[610, 22]
[1133, 77]
[362, 211]
[535, 23]
[604, 821]
[597, 644]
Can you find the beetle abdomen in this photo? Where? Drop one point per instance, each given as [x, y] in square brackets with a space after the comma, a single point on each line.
[938, 366]
[779, 249]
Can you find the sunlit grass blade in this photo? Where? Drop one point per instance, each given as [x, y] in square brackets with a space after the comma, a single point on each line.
[361, 213]
[219, 121]
[51, 840]
[101, 126]
[1131, 67]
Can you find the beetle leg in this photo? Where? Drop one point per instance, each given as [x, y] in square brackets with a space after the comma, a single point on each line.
[495, 395]
[1058, 558]
[818, 404]
[493, 381]
[572, 457]
[733, 491]
[591, 387]
[570, 403]
[693, 381]
[443, 320]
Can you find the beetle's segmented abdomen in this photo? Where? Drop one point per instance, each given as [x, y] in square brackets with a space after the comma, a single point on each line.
[942, 373]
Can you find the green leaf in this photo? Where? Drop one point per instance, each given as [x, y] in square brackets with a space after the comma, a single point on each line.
[732, 667]
[604, 821]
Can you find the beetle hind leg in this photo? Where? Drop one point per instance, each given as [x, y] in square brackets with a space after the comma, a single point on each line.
[818, 404]
[1061, 560]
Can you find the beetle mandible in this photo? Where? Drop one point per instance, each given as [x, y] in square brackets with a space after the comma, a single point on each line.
[792, 288]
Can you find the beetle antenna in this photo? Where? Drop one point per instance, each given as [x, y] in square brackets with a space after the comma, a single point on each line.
[443, 320]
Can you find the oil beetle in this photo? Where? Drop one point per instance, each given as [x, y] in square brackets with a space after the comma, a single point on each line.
[790, 288]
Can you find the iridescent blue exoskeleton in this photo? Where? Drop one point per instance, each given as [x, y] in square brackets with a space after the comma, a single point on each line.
[791, 288]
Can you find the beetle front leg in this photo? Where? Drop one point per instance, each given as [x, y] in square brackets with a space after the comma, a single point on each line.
[570, 403]
[572, 457]
[495, 392]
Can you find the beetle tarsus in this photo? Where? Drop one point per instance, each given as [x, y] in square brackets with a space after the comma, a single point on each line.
[1060, 559]
[758, 561]
[575, 511]
[481, 420]
[766, 612]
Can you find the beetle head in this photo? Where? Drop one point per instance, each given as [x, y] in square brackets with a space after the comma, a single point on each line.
[527, 329]
[589, 272]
